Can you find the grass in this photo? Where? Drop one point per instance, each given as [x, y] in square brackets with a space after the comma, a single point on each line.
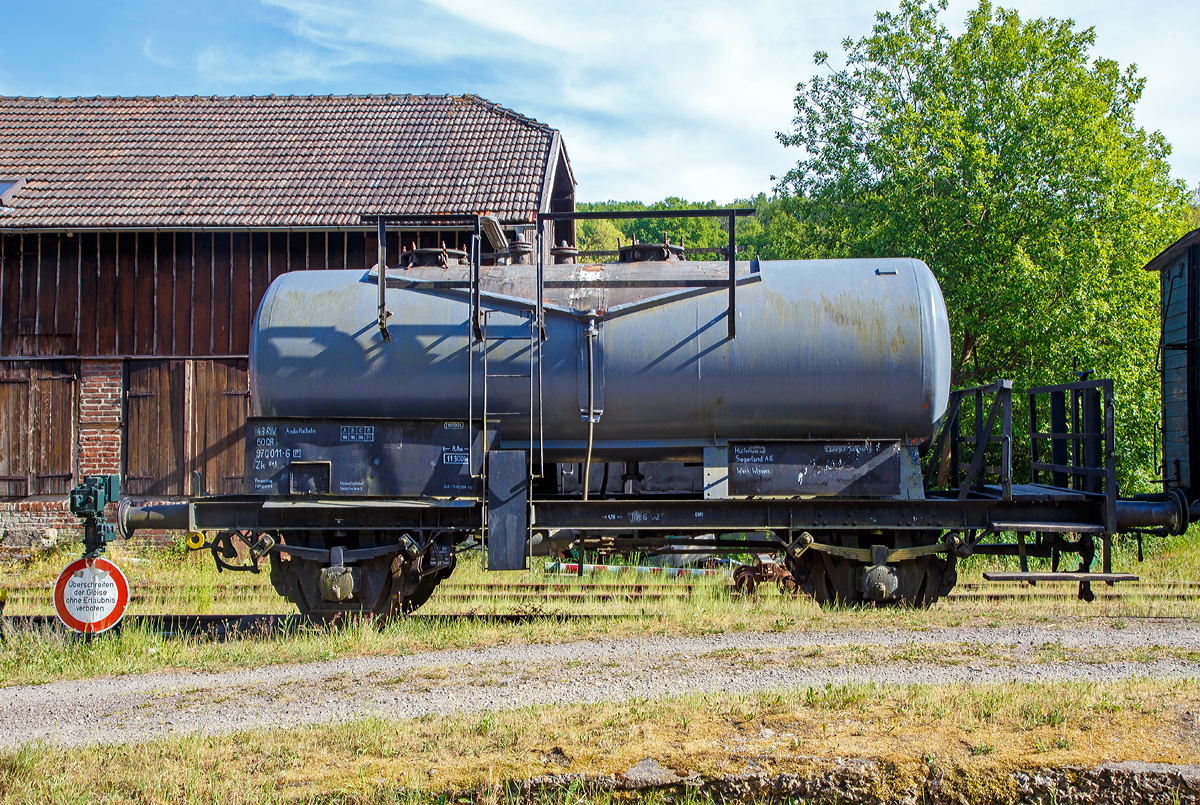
[1175, 558]
[964, 731]
[171, 580]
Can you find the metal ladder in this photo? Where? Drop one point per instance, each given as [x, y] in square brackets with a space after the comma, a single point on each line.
[484, 337]
[532, 373]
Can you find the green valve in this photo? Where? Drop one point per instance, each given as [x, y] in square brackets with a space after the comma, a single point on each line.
[87, 503]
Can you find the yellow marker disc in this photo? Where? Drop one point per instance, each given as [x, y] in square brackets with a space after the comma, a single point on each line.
[195, 540]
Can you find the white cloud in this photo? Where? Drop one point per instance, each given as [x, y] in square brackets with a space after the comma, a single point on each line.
[674, 98]
[678, 97]
[230, 68]
[148, 52]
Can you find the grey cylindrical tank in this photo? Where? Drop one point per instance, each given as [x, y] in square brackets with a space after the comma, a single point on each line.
[824, 349]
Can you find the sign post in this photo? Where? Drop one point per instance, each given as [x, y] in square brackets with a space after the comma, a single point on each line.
[91, 595]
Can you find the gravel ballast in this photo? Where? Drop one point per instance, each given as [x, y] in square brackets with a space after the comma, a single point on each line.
[136, 708]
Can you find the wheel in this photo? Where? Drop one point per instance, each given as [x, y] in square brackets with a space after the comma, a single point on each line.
[831, 580]
[923, 581]
[298, 579]
[410, 590]
[814, 577]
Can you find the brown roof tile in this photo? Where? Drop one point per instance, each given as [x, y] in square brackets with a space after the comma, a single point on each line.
[265, 161]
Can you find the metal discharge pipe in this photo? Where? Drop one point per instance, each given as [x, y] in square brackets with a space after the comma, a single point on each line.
[591, 333]
[381, 265]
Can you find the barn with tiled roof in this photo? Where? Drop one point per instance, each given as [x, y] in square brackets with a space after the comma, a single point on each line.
[290, 162]
[137, 236]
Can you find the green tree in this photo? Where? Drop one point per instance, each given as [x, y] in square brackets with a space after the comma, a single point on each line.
[779, 229]
[1009, 160]
[599, 235]
[698, 235]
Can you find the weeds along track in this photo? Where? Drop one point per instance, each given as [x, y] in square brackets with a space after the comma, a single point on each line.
[28, 604]
[31, 594]
[34, 595]
[220, 627]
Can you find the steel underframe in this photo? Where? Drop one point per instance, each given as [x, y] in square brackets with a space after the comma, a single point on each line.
[681, 516]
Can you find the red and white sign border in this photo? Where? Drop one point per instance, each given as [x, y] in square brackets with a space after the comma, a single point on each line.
[110, 620]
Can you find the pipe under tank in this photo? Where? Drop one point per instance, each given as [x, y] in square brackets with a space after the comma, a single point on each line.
[837, 349]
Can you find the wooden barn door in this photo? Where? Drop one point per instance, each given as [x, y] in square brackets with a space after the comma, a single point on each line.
[37, 427]
[53, 386]
[185, 426]
[220, 401]
[155, 463]
[14, 432]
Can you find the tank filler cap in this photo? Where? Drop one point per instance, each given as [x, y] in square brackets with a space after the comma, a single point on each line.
[645, 252]
[519, 251]
[564, 253]
[433, 257]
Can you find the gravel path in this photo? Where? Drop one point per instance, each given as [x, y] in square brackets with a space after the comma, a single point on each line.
[133, 708]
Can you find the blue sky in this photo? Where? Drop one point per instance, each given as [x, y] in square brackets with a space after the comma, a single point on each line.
[653, 98]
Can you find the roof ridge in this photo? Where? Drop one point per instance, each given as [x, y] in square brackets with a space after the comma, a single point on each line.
[505, 112]
[499, 109]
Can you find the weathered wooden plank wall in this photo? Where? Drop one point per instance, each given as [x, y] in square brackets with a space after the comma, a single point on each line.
[219, 409]
[155, 462]
[158, 293]
[15, 456]
[178, 306]
[55, 386]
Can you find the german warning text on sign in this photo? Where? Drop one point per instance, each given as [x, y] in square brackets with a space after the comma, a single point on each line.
[91, 595]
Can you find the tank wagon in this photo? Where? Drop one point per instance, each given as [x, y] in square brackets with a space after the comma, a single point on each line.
[658, 404]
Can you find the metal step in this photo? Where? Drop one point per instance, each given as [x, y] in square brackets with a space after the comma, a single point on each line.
[517, 375]
[1060, 528]
[1036, 577]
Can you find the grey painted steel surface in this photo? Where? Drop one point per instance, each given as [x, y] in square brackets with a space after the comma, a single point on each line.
[508, 510]
[825, 349]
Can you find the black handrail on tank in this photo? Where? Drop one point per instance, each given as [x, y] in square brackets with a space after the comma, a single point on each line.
[731, 213]
[472, 221]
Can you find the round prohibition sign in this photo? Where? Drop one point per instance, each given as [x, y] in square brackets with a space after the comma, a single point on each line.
[91, 595]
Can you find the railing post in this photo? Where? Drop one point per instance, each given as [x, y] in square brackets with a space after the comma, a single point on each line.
[732, 315]
[383, 313]
[1004, 388]
[1034, 441]
[1110, 474]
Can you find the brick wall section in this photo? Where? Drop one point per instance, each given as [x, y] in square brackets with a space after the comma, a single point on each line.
[99, 452]
[100, 393]
[20, 518]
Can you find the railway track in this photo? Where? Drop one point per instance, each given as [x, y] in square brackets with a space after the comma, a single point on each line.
[470, 597]
[39, 594]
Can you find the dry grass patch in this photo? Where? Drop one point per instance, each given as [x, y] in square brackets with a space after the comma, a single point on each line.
[176, 581]
[971, 731]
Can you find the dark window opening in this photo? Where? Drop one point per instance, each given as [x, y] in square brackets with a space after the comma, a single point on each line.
[9, 185]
